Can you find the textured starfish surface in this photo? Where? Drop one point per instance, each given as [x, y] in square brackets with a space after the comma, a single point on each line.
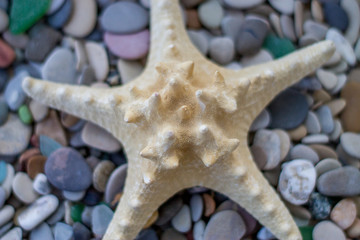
[184, 122]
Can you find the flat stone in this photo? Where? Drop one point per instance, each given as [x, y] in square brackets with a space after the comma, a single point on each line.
[336, 106]
[283, 6]
[333, 11]
[350, 143]
[301, 151]
[37, 212]
[13, 234]
[124, 18]
[269, 141]
[231, 24]
[243, 4]
[340, 182]
[264, 234]
[319, 206]
[351, 8]
[350, 117]
[192, 18]
[14, 94]
[58, 215]
[6, 214]
[43, 231]
[7, 183]
[51, 128]
[222, 50]
[14, 136]
[116, 182]
[326, 165]
[16, 41]
[55, 6]
[199, 41]
[48, 145]
[101, 174]
[210, 204]
[129, 70]
[278, 47]
[168, 210]
[22, 188]
[261, 121]
[38, 110]
[315, 138]
[325, 118]
[74, 196]
[4, 111]
[297, 181]
[67, 170]
[226, 224]
[198, 230]
[287, 26]
[35, 165]
[63, 231]
[60, 17]
[316, 28]
[262, 56]
[211, 14]
[101, 217]
[344, 213]
[312, 123]
[182, 220]
[98, 59]
[328, 79]
[342, 45]
[81, 232]
[4, 20]
[82, 20]
[327, 230]
[196, 207]
[171, 234]
[324, 151]
[41, 184]
[354, 230]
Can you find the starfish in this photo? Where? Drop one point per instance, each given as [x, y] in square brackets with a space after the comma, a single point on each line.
[184, 122]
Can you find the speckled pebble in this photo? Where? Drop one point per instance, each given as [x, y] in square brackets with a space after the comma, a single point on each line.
[319, 206]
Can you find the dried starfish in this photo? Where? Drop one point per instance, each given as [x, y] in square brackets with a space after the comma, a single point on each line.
[184, 122]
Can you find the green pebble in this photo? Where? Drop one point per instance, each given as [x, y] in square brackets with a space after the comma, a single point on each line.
[306, 232]
[76, 211]
[278, 46]
[25, 114]
[25, 13]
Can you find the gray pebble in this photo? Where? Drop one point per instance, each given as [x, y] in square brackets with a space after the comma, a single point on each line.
[326, 165]
[60, 17]
[261, 121]
[269, 141]
[198, 230]
[221, 50]
[63, 231]
[86, 216]
[58, 215]
[211, 14]
[13, 234]
[301, 151]
[350, 142]
[169, 210]
[116, 182]
[16, 41]
[6, 214]
[196, 206]
[244, 4]
[327, 230]
[325, 118]
[312, 123]
[182, 220]
[81, 232]
[100, 219]
[4, 4]
[4, 111]
[5, 228]
[315, 138]
[2, 196]
[231, 24]
[199, 41]
[264, 234]
[14, 94]
[147, 234]
[4, 20]
[43, 231]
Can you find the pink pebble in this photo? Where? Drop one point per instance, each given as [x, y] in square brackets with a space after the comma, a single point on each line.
[131, 46]
[7, 54]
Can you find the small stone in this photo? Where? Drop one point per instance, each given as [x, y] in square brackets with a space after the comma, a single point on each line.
[198, 230]
[43, 231]
[60, 17]
[124, 18]
[283, 6]
[327, 230]
[14, 94]
[25, 114]
[4, 20]
[76, 211]
[98, 60]
[264, 234]
[336, 106]
[55, 6]
[3, 171]
[261, 121]
[333, 11]
[326, 165]
[319, 206]
[262, 56]
[284, 143]
[340, 182]
[116, 182]
[350, 143]
[221, 50]
[269, 142]
[6, 214]
[350, 116]
[192, 17]
[86, 216]
[226, 224]
[325, 118]
[297, 181]
[21, 19]
[129, 70]
[41, 184]
[35, 165]
[74, 196]
[58, 215]
[168, 210]
[279, 47]
[171, 234]
[245, 4]
[7, 183]
[4, 112]
[353, 13]
[315, 138]
[196, 207]
[22, 188]
[63, 231]
[48, 145]
[81, 232]
[328, 79]
[342, 45]
[344, 213]
[13, 234]
[16, 41]
[101, 174]
[324, 151]
[287, 26]
[38, 110]
[301, 151]
[101, 217]
[211, 14]
[199, 40]
[231, 24]
[51, 127]
[312, 123]
[354, 230]
[37, 212]
[182, 220]
[210, 204]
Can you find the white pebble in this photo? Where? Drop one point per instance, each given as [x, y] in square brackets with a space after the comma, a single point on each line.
[41, 184]
[342, 45]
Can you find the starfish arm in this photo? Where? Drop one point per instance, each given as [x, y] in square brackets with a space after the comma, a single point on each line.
[93, 104]
[242, 182]
[268, 79]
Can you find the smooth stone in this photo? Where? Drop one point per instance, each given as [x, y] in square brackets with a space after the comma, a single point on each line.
[101, 174]
[4, 20]
[7, 183]
[25, 114]
[81, 232]
[283, 6]
[251, 35]
[326, 165]
[209, 203]
[60, 67]
[192, 19]
[317, 11]
[211, 14]
[319, 206]
[196, 207]
[147, 234]
[14, 94]
[226, 224]
[297, 181]
[335, 16]
[86, 216]
[264, 234]
[344, 213]
[51, 127]
[316, 28]
[222, 50]
[82, 20]
[74, 196]
[308, 83]
[261, 121]
[351, 7]
[16, 41]
[21, 19]
[327, 79]
[48, 145]
[116, 182]
[259, 155]
[336, 106]
[4, 111]
[37, 212]
[245, 4]
[58, 215]
[182, 220]
[100, 219]
[55, 6]
[124, 18]
[2, 196]
[67, 170]
[287, 26]
[14, 136]
[350, 117]
[129, 70]
[327, 230]
[198, 230]
[324, 151]
[13, 234]
[4, 4]
[43, 231]
[350, 143]
[199, 40]
[3, 77]
[98, 59]
[60, 17]
[171, 234]
[269, 142]
[3, 171]
[325, 117]
[87, 76]
[168, 210]
[278, 47]
[342, 45]
[7, 55]
[312, 123]
[41, 184]
[340, 182]
[231, 24]
[22, 188]
[315, 138]
[35, 165]
[63, 231]
[262, 56]
[97, 137]
[129, 47]
[6, 214]
[283, 112]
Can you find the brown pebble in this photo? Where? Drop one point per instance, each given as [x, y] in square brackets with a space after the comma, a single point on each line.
[35, 141]
[25, 156]
[152, 219]
[7, 54]
[298, 133]
[52, 128]
[116, 199]
[101, 174]
[321, 96]
[336, 106]
[354, 230]
[210, 204]
[350, 116]
[35, 165]
[344, 213]
[193, 19]
[68, 120]
[324, 151]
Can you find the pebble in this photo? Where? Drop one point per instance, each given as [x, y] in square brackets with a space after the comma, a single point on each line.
[269, 142]
[328, 79]
[261, 121]
[63, 231]
[67, 170]
[336, 106]
[335, 16]
[211, 14]
[51, 127]
[312, 123]
[225, 224]
[222, 50]
[14, 94]
[340, 182]
[37, 212]
[349, 142]
[25, 114]
[55, 6]
[350, 117]
[101, 174]
[209, 203]
[48, 145]
[124, 18]
[327, 230]
[21, 19]
[354, 230]
[115, 183]
[342, 45]
[74, 196]
[245, 4]
[60, 67]
[319, 206]
[284, 114]
[98, 59]
[4, 111]
[82, 20]
[287, 26]
[325, 118]
[301, 151]
[326, 165]
[22, 188]
[13, 234]
[344, 213]
[231, 24]
[199, 40]
[35, 165]
[7, 184]
[6, 214]
[60, 17]
[14, 136]
[297, 181]
[315, 138]
[129, 70]
[171, 234]
[262, 56]
[192, 18]
[16, 41]
[81, 232]
[324, 151]
[41, 184]
[97, 137]
[168, 210]
[278, 47]
[198, 230]
[43, 231]
[100, 219]
[283, 6]
[182, 220]
[196, 207]
[251, 35]
[351, 8]
[264, 234]
[2, 196]
[4, 20]
[129, 47]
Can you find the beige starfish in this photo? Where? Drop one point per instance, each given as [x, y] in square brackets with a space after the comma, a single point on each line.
[184, 123]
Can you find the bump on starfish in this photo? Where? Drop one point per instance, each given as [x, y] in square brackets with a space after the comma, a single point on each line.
[184, 122]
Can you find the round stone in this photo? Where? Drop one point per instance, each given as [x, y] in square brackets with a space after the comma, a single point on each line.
[14, 94]
[43, 231]
[335, 16]
[211, 14]
[312, 123]
[60, 17]
[198, 230]
[209, 203]
[351, 8]
[82, 20]
[100, 219]
[81, 232]
[340, 182]
[74, 196]
[319, 206]
[98, 60]
[287, 26]
[350, 117]
[6, 214]
[261, 121]
[231, 24]
[327, 79]
[4, 20]
[13, 234]
[354, 230]
[168, 210]
[41, 184]
[116, 182]
[101, 174]
[182, 220]
[283, 6]
[297, 181]
[350, 143]
[288, 110]
[7, 183]
[326, 165]
[63, 231]
[130, 46]
[327, 230]
[336, 106]
[221, 50]
[344, 213]
[67, 170]
[284, 143]
[196, 207]
[342, 45]
[22, 188]
[199, 40]
[226, 224]
[269, 142]
[124, 18]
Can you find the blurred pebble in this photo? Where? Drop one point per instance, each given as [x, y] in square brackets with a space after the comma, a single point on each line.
[261, 121]
[101, 174]
[350, 116]
[211, 14]
[74, 196]
[342, 45]
[168, 210]
[13, 234]
[269, 142]
[182, 220]
[221, 50]
[327, 230]
[42, 231]
[14, 94]
[344, 213]
[305, 152]
[22, 188]
[312, 123]
[4, 112]
[48, 145]
[101, 217]
[196, 207]
[147, 234]
[98, 60]
[60, 17]
[6, 214]
[350, 143]
[63, 231]
[326, 165]
[128, 70]
[319, 206]
[41, 184]
[4, 20]
[81, 232]
[333, 11]
[198, 230]
[199, 41]
[171, 234]
[115, 183]
[354, 230]
[283, 6]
